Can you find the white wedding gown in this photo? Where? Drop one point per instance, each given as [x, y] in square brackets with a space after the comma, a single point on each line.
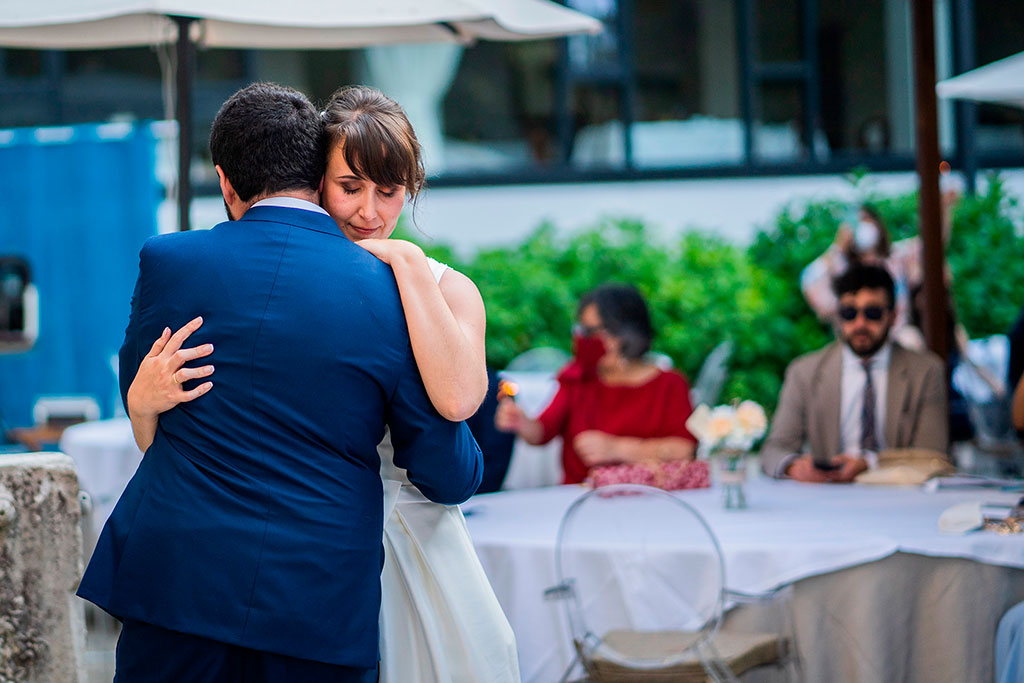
[439, 619]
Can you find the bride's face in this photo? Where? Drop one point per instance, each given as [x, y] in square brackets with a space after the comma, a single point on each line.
[360, 207]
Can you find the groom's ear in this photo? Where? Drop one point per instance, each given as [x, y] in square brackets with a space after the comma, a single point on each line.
[226, 189]
[320, 189]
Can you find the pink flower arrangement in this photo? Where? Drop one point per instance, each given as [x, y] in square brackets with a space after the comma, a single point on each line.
[671, 476]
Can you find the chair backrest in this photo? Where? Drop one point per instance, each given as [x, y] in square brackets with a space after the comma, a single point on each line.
[659, 359]
[988, 410]
[541, 359]
[637, 559]
[712, 375]
[63, 411]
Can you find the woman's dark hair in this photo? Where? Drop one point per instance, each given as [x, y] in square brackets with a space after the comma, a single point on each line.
[268, 138]
[884, 239]
[376, 138]
[624, 315]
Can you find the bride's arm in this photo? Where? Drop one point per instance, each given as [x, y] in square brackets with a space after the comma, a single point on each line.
[446, 327]
[157, 386]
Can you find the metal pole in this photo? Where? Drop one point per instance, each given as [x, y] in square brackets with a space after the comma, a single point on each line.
[967, 112]
[812, 80]
[927, 137]
[627, 75]
[748, 89]
[184, 77]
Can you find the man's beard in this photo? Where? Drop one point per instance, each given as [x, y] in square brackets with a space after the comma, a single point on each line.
[873, 349]
[227, 210]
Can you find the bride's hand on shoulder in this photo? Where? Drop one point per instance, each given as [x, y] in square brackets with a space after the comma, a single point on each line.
[159, 383]
[391, 251]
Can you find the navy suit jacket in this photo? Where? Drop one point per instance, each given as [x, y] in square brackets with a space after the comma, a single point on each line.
[255, 517]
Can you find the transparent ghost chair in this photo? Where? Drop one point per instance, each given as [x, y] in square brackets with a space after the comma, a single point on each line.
[642, 579]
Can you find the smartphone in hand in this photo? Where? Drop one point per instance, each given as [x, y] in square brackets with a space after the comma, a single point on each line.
[826, 465]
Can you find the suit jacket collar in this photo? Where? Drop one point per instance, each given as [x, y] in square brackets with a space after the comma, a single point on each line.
[896, 394]
[299, 218]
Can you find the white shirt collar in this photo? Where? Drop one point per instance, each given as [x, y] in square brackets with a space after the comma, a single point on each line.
[291, 203]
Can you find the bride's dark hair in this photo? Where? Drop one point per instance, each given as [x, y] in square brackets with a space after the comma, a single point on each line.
[376, 138]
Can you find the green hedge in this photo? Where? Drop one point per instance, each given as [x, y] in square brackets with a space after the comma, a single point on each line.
[702, 289]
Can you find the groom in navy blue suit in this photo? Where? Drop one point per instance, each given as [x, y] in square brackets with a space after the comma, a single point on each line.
[247, 547]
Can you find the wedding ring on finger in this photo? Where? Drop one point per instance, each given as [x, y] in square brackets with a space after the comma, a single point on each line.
[174, 376]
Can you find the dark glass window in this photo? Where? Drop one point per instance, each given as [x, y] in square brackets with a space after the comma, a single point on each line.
[498, 112]
[687, 84]
[1000, 33]
[21, 63]
[778, 30]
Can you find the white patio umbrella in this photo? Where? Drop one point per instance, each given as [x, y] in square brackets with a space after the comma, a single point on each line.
[1001, 82]
[298, 24]
[272, 24]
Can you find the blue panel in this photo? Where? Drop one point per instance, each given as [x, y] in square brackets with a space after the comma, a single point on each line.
[77, 203]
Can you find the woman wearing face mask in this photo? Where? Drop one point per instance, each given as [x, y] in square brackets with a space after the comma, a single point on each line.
[612, 406]
[866, 241]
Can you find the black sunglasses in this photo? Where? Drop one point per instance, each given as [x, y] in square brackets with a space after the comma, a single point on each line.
[849, 313]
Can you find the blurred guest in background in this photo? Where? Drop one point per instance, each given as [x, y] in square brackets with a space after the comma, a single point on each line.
[1018, 406]
[867, 241]
[842, 405]
[613, 406]
[960, 426]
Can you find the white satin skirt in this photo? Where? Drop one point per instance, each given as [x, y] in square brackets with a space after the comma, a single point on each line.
[440, 621]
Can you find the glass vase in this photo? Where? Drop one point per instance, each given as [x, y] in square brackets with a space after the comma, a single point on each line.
[732, 475]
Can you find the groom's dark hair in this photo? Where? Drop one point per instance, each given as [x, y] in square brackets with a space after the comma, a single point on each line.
[268, 138]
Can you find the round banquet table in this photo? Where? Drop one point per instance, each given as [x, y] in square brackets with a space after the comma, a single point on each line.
[879, 594]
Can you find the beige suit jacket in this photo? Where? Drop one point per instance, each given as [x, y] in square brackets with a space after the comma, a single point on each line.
[807, 417]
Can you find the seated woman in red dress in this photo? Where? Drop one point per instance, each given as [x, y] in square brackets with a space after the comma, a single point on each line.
[613, 406]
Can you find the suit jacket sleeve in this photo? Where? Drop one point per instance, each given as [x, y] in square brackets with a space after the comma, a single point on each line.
[131, 353]
[931, 430]
[441, 458]
[789, 424]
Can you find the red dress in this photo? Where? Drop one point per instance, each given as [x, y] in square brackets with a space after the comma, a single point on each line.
[657, 408]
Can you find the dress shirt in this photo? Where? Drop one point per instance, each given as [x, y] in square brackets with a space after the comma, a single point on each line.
[291, 203]
[851, 400]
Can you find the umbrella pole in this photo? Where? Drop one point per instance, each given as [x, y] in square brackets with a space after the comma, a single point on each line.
[927, 137]
[184, 77]
[966, 112]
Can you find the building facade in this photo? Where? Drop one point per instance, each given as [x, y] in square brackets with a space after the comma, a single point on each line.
[766, 98]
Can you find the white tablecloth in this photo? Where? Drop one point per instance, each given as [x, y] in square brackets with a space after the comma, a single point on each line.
[106, 457]
[791, 531]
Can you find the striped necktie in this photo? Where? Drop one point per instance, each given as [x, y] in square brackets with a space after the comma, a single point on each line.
[868, 436]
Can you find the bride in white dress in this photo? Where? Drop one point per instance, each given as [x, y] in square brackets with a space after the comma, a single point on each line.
[440, 621]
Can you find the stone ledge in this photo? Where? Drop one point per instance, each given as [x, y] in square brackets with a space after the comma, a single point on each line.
[41, 622]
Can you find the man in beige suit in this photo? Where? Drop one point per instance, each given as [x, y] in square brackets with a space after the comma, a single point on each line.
[842, 405]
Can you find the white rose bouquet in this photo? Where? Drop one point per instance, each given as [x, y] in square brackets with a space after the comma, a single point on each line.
[729, 432]
[729, 427]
